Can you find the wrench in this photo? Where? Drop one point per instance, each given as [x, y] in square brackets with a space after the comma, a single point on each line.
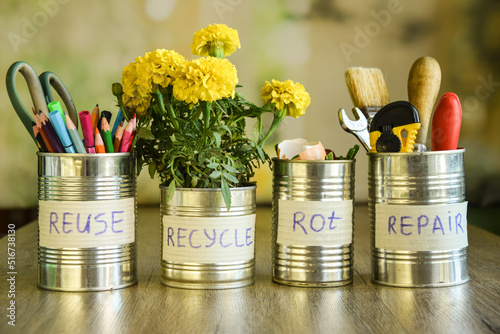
[359, 127]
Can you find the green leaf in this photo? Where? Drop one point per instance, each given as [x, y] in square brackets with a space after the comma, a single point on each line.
[213, 165]
[329, 156]
[230, 169]
[152, 169]
[145, 134]
[171, 190]
[217, 139]
[352, 152]
[230, 177]
[261, 153]
[215, 174]
[172, 138]
[226, 193]
[225, 127]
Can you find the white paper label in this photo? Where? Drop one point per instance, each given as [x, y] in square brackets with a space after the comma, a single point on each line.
[421, 227]
[86, 224]
[315, 223]
[208, 239]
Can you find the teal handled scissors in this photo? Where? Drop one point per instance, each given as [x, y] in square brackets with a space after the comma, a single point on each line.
[40, 91]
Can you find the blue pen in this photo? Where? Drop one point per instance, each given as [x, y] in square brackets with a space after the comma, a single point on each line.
[119, 118]
[62, 131]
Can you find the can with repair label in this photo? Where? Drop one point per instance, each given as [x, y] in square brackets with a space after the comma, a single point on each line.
[418, 218]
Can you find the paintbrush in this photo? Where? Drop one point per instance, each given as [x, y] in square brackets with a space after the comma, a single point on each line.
[424, 82]
[367, 88]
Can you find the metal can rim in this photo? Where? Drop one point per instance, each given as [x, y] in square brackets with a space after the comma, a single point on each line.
[450, 152]
[313, 161]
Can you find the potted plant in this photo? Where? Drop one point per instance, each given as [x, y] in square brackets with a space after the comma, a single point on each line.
[191, 132]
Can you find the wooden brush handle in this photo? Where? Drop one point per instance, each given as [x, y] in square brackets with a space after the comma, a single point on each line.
[424, 82]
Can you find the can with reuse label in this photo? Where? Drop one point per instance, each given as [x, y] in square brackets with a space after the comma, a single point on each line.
[312, 228]
[86, 221]
[205, 245]
[418, 218]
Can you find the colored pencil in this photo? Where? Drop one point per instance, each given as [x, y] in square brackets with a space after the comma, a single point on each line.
[51, 134]
[75, 137]
[95, 117]
[87, 130]
[118, 120]
[43, 133]
[117, 138]
[39, 140]
[99, 144]
[106, 135]
[128, 134]
[61, 130]
[107, 115]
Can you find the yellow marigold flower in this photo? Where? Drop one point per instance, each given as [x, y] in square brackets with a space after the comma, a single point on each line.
[205, 79]
[142, 77]
[215, 40]
[163, 64]
[136, 78]
[287, 94]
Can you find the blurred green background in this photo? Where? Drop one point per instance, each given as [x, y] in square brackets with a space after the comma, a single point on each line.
[87, 44]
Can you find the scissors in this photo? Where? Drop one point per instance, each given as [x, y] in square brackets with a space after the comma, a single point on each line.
[41, 95]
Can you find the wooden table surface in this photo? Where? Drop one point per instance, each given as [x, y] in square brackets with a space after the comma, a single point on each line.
[265, 307]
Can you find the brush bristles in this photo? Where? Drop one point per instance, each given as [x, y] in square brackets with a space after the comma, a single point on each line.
[367, 87]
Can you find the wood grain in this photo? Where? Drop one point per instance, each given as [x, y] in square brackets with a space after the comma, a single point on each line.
[265, 307]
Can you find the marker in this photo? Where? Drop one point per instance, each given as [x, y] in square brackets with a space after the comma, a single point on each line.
[87, 130]
[56, 105]
[61, 130]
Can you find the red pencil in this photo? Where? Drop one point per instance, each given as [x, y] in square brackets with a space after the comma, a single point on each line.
[99, 144]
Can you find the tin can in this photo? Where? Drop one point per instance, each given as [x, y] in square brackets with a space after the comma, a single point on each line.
[205, 245]
[418, 218]
[312, 228]
[86, 221]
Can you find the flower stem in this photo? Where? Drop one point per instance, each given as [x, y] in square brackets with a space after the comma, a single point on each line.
[169, 110]
[207, 107]
[279, 116]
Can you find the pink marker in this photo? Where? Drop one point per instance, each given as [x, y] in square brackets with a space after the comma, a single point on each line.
[87, 130]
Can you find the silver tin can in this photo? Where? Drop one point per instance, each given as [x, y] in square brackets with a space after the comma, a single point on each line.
[205, 246]
[312, 228]
[418, 218]
[86, 221]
